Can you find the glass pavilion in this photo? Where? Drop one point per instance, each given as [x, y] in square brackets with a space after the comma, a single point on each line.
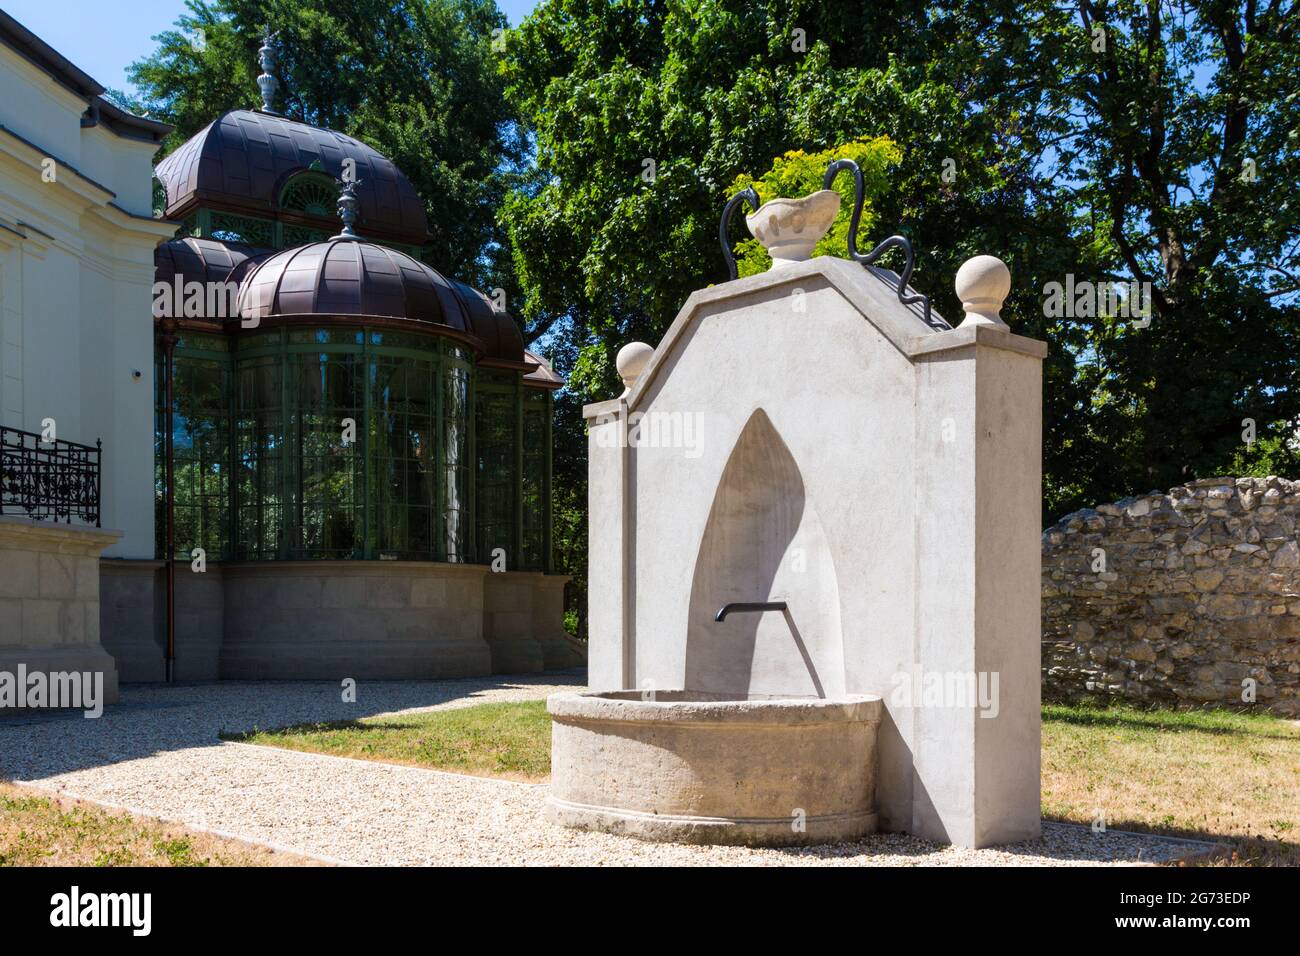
[358, 405]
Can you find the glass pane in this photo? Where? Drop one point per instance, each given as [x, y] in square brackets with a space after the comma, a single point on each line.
[533, 487]
[259, 448]
[401, 429]
[494, 419]
[325, 476]
[201, 430]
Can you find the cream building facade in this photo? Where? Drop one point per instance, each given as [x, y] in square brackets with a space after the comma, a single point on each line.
[77, 238]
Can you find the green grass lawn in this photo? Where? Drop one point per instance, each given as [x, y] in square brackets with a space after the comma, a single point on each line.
[510, 740]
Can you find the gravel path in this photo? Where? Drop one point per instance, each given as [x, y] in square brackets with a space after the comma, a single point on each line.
[158, 753]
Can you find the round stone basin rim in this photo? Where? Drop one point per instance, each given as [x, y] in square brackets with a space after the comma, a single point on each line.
[694, 707]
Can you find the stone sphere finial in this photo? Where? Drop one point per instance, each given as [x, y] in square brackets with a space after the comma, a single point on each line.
[982, 285]
[631, 362]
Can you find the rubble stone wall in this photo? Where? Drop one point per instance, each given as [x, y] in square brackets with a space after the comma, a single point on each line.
[1187, 597]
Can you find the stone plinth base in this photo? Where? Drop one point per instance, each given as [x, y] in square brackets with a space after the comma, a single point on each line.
[49, 600]
[327, 620]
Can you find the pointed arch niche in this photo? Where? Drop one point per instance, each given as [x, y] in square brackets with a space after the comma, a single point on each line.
[764, 542]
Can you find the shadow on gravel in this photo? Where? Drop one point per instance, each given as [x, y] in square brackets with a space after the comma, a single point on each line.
[154, 718]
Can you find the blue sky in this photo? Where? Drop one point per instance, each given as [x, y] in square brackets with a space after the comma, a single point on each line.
[104, 41]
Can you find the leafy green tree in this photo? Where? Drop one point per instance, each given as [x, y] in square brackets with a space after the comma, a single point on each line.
[1167, 134]
[416, 79]
[1103, 140]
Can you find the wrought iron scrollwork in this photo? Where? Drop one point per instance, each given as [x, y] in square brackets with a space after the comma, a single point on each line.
[893, 242]
[748, 194]
[49, 479]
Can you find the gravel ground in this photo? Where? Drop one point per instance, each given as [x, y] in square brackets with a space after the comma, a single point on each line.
[158, 753]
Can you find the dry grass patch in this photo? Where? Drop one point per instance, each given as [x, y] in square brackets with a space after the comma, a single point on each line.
[37, 829]
[1206, 774]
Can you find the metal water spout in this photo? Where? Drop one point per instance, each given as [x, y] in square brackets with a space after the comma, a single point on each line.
[748, 606]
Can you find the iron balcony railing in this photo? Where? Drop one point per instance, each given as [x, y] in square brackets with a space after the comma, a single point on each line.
[41, 479]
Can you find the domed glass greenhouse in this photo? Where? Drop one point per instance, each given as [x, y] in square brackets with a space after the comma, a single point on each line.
[337, 398]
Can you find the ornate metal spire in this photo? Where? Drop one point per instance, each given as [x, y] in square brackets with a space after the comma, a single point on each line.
[348, 208]
[266, 80]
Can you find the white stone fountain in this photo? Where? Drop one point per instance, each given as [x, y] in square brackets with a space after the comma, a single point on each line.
[804, 441]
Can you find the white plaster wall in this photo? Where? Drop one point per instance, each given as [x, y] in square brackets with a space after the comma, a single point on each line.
[76, 272]
[111, 159]
[11, 327]
[52, 357]
[796, 367]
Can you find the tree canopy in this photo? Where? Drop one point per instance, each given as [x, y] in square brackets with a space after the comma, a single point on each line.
[1110, 141]
[416, 79]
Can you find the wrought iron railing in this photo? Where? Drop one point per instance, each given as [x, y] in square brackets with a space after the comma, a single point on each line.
[49, 479]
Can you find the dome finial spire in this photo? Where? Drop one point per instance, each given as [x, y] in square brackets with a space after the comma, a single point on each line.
[348, 206]
[266, 81]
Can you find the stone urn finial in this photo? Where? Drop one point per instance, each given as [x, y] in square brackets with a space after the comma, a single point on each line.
[631, 362]
[348, 205]
[790, 228]
[982, 285]
[266, 81]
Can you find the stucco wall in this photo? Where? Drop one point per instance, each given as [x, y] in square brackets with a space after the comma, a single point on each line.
[1197, 601]
[76, 275]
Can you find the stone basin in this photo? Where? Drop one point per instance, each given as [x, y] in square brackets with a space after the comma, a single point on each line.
[691, 767]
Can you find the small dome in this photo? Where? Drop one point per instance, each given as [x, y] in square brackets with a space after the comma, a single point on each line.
[244, 158]
[343, 277]
[203, 260]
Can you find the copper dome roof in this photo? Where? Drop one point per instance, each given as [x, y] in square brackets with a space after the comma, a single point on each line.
[343, 277]
[243, 159]
[203, 260]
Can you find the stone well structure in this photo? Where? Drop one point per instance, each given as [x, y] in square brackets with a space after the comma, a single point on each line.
[813, 438]
[1187, 597]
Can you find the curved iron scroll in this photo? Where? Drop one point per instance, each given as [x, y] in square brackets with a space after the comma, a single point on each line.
[900, 242]
[729, 210]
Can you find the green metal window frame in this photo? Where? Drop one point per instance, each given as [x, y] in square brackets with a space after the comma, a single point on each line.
[203, 438]
[534, 479]
[280, 452]
[323, 388]
[311, 193]
[496, 464]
